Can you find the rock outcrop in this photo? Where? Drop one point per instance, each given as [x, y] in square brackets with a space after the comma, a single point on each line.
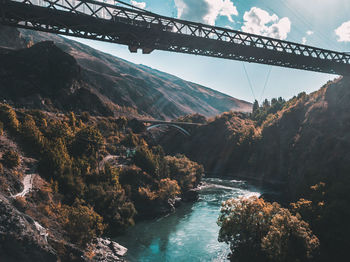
[106, 250]
[20, 239]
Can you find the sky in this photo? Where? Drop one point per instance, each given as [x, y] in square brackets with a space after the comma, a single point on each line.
[320, 23]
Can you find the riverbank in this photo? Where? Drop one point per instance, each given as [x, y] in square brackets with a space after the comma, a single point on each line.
[190, 232]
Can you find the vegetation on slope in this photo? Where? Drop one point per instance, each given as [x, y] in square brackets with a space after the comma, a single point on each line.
[299, 145]
[87, 195]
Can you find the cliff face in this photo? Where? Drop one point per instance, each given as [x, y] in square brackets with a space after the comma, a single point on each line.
[120, 84]
[304, 143]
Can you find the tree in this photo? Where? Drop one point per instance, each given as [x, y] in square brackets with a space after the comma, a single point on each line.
[32, 135]
[145, 159]
[82, 223]
[255, 106]
[266, 104]
[168, 189]
[122, 122]
[72, 120]
[187, 173]
[260, 231]
[87, 141]
[8, 117]
[11, 159]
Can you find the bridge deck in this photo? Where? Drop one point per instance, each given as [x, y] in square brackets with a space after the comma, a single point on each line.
[147, 31]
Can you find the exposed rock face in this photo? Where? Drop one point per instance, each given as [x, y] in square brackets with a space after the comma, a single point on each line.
[106, 250]
[20, 240]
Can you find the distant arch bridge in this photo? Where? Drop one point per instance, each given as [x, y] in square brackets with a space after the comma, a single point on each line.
[177, 125]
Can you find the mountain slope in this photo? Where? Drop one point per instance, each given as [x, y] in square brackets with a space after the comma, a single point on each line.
[305, 142]
[150, 92]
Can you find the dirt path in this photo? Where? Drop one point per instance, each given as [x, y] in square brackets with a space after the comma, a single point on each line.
[27, 185]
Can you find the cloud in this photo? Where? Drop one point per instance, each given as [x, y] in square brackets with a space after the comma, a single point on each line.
[205, 11]
[138, 4]
[343, 32]
[258, 21]
[303, 40]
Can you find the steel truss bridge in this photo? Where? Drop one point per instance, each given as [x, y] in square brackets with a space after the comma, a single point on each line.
[147, 31]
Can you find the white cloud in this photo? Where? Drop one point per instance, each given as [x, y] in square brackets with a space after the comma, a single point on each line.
[205, 11]
[303, 40]
[138, 4]
[258, 21]
[343, 32]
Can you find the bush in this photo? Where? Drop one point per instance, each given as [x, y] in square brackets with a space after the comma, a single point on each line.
[11, 159]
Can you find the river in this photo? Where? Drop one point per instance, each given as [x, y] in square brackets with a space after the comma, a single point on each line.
[188, 234]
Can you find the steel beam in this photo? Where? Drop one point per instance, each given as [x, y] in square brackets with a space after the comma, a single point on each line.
[148, 31]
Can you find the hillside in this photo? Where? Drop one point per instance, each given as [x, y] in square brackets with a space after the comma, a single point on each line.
[303, 142]
[302, 148]
[123, 85]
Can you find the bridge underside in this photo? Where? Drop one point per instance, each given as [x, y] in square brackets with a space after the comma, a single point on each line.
[150, 38]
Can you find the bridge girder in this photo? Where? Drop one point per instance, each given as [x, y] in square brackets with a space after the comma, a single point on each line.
[147, 31]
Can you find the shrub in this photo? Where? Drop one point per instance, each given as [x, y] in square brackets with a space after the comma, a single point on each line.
[11, 159]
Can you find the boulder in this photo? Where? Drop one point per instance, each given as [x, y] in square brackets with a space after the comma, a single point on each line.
[107, 250]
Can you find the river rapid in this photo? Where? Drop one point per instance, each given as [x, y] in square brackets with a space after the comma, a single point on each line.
[190, 233]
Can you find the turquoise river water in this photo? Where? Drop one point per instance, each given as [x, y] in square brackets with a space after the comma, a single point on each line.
[190, 233]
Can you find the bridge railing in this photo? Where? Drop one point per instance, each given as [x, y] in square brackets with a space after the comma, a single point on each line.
[109, 11]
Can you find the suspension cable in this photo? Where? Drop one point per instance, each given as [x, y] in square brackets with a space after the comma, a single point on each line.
[266, 81]
[250, 83]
